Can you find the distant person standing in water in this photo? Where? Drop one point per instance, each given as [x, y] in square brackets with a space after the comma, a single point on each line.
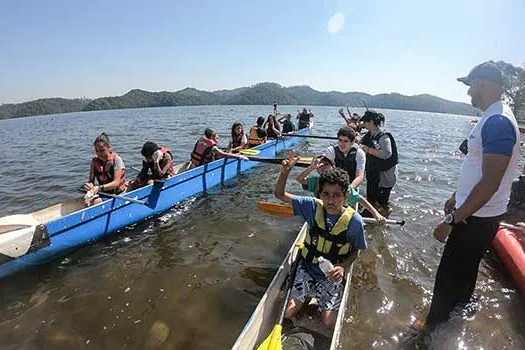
[474, 211]
[305, 119]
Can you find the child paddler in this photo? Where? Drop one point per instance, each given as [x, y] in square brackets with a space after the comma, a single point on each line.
[206, 150]
[156, 165]
[107, 168]
[310, 182]
[334, 232]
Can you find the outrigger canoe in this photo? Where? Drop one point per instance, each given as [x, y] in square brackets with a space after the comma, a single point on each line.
[29, 240]
[265, 314]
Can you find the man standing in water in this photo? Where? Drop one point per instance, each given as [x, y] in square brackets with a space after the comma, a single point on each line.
[474, 211]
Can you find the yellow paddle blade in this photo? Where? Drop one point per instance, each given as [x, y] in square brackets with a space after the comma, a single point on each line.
[273, 341]
[278, 209]
[306, 159]
[250, 152]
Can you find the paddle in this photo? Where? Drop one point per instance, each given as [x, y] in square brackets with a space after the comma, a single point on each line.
[364, 104]
[116, 196]
[509, 226]
[302, 163]
[286, 211]
[273, 341]
[249, 152]
[312, 136]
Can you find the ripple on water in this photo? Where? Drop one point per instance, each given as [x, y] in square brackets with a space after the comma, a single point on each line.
[196, 272]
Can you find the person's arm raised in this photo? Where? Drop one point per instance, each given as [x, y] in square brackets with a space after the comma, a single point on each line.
[280, 187]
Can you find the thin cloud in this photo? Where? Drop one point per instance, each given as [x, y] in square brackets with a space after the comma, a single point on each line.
[336, 23]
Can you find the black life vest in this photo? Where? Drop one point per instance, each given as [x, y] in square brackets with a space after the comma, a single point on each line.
[347, 162]
[374, 163]
[332, 245]
[304, 120]
[162, 163]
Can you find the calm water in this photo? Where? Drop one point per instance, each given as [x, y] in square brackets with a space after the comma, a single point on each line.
[191, 278]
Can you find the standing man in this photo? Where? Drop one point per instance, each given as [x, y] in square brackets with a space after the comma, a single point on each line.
[474, 211]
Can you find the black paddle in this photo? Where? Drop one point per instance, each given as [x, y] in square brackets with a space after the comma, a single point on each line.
[312, 136]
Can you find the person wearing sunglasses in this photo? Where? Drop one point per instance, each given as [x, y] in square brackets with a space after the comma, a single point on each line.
[348, 155]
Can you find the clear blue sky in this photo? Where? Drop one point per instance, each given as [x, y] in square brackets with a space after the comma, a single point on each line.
[99, 48]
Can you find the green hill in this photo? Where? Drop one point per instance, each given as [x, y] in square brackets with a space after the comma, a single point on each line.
[259, 94]
[41, 107]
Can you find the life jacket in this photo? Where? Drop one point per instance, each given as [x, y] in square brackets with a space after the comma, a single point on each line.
[203, 152]
[304, 120]
[347, 162]
[236, 140]
[332, 245]
[162, 164]
[374, 163]
[104, 171]
[287, 126]
[254, 139]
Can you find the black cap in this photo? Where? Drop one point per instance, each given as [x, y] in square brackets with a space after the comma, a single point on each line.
[369, 116]
[486, 71]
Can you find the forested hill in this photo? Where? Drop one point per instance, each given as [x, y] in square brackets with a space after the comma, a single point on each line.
[259, 94]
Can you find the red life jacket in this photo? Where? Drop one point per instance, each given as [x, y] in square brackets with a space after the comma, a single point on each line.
[203, 152]
[104, 171]
[236, 140]
[162, 163]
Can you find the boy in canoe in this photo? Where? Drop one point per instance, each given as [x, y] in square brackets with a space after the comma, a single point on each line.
[157, 165]
[107, 168]
[334, 232]
[310, 182]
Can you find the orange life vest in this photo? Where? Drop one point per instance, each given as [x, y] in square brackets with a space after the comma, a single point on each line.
[203, 152]
[104, 171]
[254, 139]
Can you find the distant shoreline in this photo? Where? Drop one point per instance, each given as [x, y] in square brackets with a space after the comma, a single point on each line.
[259, 94]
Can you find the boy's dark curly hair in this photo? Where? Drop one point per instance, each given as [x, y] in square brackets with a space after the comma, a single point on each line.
[348, 132]
[334, 176]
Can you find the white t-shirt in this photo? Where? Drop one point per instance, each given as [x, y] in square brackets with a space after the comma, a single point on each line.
[360, 157]
[493, 139]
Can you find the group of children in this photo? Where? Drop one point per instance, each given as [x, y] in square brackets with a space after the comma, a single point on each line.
[107, 168]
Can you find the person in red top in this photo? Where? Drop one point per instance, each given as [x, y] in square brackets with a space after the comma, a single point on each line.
[206, 150]
[107, 168]
[157, 165]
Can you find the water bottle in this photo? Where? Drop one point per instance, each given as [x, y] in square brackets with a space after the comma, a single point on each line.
[325, 265]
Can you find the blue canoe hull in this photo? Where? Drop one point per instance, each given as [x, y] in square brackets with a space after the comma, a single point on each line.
[91, 224]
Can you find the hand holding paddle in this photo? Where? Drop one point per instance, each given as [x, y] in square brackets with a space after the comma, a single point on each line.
[286, 211]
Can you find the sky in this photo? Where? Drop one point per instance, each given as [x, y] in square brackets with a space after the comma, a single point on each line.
[64, 48]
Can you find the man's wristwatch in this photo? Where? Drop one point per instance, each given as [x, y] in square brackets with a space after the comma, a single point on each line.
[449, 219]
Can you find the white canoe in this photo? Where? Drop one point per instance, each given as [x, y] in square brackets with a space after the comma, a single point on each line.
[265, 315]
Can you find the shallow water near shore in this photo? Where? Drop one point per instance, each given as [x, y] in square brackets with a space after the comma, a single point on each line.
[190, 278]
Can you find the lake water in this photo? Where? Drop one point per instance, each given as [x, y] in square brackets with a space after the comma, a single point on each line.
[191, 278]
